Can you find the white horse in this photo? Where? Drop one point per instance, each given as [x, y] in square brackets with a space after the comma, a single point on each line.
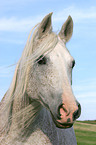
[40, 108]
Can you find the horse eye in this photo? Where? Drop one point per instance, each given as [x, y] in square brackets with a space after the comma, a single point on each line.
[41, 60]
[73, 63]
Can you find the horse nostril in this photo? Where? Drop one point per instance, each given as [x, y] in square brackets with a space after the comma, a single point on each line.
[61, 111]
[79, 106]
[77, 113]
[59, 114]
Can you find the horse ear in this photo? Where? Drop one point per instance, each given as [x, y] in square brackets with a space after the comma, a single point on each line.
[66, 30]
[45, 25]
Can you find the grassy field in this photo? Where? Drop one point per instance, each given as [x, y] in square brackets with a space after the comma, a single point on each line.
[85, 132]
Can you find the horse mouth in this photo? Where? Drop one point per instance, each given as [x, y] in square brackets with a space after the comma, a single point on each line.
[63, 125]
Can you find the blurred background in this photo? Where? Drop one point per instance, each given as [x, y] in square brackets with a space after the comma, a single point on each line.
[17, 19]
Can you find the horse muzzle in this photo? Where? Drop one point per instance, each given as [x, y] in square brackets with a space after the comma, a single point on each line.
[66, 118]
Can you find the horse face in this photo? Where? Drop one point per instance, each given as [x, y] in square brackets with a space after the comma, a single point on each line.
[52, 78]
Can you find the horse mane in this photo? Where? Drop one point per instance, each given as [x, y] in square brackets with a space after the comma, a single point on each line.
[17, 94]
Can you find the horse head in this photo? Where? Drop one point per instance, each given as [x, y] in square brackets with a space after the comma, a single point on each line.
[50, 78]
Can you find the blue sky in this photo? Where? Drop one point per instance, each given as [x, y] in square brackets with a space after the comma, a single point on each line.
[19, 16]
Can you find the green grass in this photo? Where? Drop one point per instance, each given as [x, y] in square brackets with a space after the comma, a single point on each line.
[85, 132]
[89, 122]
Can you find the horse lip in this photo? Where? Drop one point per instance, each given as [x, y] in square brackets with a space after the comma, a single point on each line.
[63, 125]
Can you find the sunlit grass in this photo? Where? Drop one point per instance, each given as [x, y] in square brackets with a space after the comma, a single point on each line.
[85, 132]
